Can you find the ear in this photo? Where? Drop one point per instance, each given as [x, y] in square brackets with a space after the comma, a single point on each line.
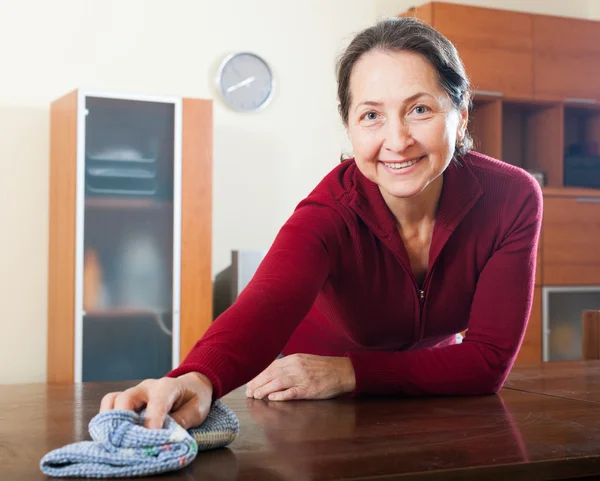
[462, 123]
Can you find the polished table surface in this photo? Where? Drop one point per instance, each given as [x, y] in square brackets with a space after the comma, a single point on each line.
[570, 379]
[513, 435]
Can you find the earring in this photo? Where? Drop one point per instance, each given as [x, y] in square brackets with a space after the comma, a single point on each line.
[460, 144]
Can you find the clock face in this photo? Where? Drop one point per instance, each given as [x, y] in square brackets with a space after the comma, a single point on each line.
[245, 81]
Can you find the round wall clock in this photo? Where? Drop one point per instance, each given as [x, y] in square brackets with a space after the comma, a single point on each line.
[245, 81]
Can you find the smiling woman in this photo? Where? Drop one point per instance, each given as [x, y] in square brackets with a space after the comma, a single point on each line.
[404, 139]
[413, 240]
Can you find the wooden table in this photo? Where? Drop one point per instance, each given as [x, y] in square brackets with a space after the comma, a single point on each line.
[572, 379]
[513, 435]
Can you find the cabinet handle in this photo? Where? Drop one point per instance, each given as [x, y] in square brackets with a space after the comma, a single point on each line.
[576, 100]
[489, 93]
[591, 200]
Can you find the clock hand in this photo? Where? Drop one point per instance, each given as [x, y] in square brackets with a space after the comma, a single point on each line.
[249, 80]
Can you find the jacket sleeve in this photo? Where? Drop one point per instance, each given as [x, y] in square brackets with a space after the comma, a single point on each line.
[499, 314]
[249, 335]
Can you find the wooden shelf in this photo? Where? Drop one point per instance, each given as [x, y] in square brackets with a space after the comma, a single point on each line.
[532, 100]
[119, 313]
[482, 96]
[590, 107]
[570, 192]
[538, 101]
[126, 203]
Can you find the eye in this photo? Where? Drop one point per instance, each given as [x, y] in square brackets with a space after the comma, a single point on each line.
[370, 116]
[421, 109]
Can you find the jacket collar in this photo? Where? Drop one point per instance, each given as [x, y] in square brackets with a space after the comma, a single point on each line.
[460, 191]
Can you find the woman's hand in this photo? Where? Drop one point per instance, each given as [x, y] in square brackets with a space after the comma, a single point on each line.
[187, 399]
[303, 376]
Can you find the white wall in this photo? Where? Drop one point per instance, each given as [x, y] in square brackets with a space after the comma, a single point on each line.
[263, 164]
[594, 10]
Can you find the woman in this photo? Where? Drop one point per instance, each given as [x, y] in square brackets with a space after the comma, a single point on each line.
[395, 252]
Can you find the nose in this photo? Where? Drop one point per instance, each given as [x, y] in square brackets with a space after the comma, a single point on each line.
[398, 136]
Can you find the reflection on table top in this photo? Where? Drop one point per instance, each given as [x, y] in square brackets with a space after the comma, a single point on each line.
[514, 434]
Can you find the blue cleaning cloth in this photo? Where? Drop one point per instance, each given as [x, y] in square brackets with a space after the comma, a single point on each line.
[122, 447]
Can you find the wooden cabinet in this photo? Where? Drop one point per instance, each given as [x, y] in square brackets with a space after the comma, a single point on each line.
[129, 274]
[566, 58]
[531, 348]
[571, 239]
[496, 46]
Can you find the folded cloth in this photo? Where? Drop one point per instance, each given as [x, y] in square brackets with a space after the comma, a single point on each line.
[123, 447]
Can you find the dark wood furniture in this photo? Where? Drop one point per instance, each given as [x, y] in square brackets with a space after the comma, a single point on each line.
[513, 435]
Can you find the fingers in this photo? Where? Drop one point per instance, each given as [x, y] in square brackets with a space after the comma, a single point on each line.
[108, 401]
[163, 395]
[133, 398]
[277, 384]
[188, 396]
[191, 414]
[263, 378]
[157, 396]
[293, 392]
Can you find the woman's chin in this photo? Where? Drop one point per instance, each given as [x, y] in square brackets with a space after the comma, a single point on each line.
[404, 191]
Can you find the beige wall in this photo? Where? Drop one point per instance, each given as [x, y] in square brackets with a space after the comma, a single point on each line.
[264, 164]
[595, 9]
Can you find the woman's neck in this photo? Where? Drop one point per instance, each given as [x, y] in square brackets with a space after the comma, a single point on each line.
[414, 213]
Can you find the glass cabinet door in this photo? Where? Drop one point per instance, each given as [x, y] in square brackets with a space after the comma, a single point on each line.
[129, 156]
[562, 318]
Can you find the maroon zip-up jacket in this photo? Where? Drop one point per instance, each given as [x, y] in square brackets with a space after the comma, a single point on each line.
[337, 281]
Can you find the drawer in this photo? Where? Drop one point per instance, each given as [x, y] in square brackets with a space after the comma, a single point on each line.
[571, 241]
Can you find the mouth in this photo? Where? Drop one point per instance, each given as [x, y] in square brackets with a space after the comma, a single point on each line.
[398, 166]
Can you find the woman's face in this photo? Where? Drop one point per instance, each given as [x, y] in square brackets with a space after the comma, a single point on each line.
[402, 124]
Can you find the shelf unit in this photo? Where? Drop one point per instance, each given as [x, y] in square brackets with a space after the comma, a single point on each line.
[536, 97]
[530, 135]
[129, 278]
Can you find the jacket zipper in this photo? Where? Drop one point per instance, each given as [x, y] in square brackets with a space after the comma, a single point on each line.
[421, 293]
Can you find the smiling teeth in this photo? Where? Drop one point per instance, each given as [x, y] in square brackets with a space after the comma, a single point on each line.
[400, 165]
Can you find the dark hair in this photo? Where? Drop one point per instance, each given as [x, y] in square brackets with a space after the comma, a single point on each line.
[410, 34]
